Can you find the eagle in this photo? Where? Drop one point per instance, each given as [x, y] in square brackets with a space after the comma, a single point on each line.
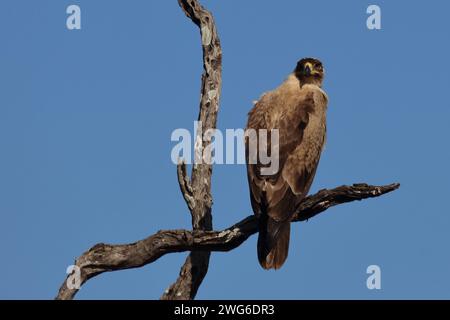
[297, 109]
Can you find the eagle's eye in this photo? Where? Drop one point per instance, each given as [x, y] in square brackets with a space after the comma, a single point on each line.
[319, 67]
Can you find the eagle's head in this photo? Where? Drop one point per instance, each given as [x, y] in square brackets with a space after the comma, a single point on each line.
[310, 70]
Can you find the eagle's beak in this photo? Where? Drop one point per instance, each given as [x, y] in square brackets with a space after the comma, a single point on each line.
[308, 69]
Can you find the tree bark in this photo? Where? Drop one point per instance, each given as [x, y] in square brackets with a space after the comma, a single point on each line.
[197, 191]
[106, 257]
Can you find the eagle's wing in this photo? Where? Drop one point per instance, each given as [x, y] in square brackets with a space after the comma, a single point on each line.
[299, 116]
[275, 197]
[274, 193]
[301, 165]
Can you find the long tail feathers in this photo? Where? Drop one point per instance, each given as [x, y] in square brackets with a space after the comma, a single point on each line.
[273, 242]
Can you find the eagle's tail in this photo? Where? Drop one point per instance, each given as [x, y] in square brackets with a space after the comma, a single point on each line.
[273, 242]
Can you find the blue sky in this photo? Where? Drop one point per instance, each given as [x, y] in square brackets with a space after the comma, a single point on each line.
[86, 118]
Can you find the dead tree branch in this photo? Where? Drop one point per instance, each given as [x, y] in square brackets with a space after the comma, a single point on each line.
[197, 192]
[185, 186]
[106, 257]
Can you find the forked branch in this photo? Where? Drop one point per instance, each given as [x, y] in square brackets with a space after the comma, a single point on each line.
[106, 257]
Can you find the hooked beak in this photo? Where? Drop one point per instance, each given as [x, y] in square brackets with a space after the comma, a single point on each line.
[308, 69]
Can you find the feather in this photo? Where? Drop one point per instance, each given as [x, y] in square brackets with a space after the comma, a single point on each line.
[299, 114]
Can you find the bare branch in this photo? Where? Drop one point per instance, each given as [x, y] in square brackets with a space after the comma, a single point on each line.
[106, 257]
[196, 264]
[185, 185]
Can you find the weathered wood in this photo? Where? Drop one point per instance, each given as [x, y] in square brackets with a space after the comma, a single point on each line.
[106, 257]
[196, 265]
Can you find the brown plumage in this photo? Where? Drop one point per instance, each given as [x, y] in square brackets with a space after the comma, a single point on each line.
[297, 108]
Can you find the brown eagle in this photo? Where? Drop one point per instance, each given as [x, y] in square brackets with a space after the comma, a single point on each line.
[297, 108]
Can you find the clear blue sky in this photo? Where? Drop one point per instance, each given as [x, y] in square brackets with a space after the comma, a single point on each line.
[86, 118]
